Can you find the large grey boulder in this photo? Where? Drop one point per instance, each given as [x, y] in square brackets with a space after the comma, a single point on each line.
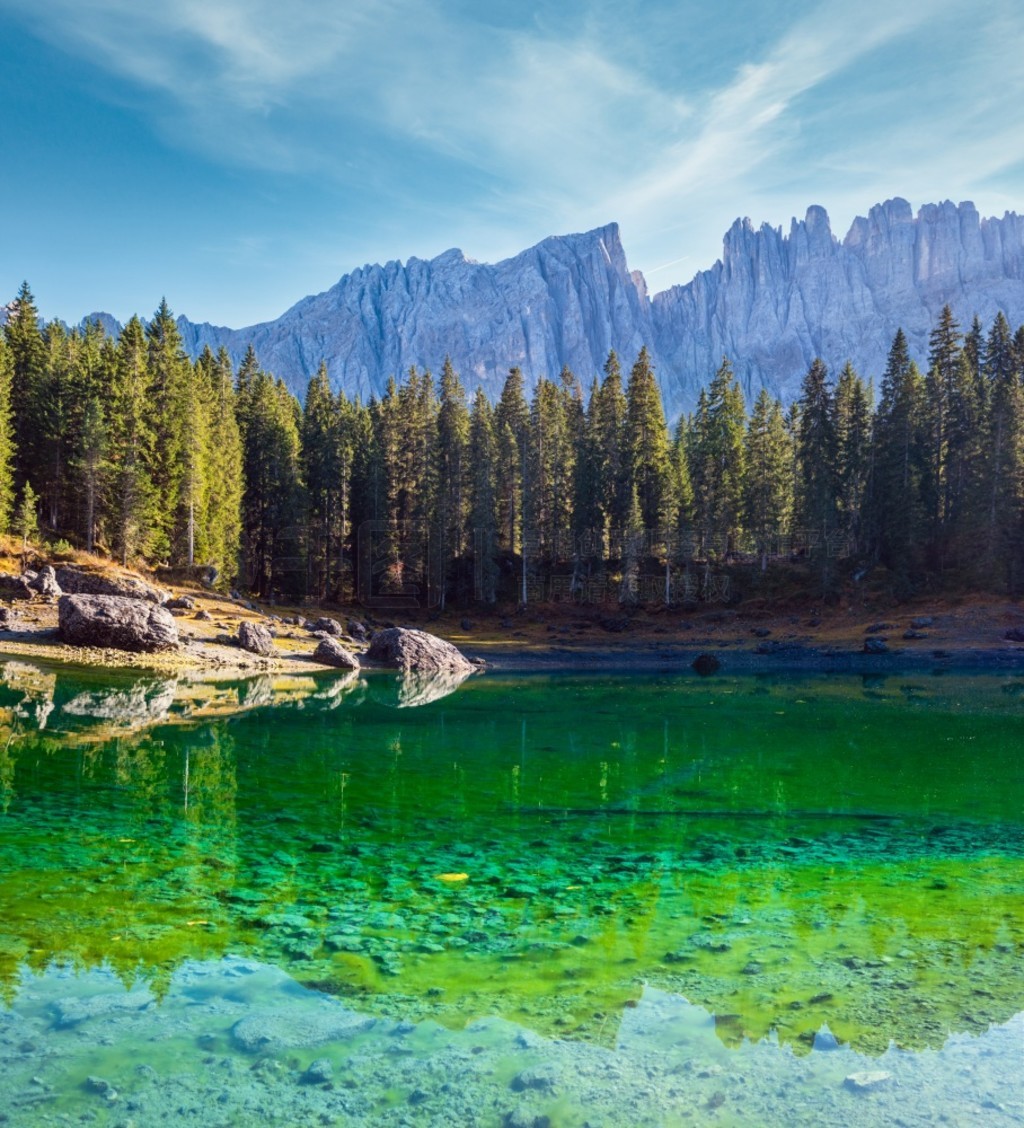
[331, 653]
[79, 581]
[116, 621]
[256, 638]
[402, 648]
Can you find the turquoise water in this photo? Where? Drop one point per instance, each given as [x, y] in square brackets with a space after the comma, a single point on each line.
[768, 884]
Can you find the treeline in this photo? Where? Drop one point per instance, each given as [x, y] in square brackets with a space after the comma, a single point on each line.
[129, 446]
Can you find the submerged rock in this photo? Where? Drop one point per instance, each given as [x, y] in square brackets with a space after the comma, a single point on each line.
[706, 664]
[281, 1030]
[116, 621]
[412, 651]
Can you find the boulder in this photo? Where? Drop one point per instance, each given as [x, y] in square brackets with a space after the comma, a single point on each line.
[1014, 634]
[328, 626]
[876, 646]
[46, 582]
[14, 587]
[79, 581]
[256, 638]
[357, 630]
[331, 653]
[182, 603]
[706, 664]
[402, 648]
[116, 621]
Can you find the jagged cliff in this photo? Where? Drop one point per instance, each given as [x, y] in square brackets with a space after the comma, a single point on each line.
[772, 303]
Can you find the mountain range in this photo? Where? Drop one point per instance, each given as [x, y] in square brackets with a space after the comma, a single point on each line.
[772, 303]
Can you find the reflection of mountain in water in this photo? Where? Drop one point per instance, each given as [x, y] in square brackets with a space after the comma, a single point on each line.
[667, 1066]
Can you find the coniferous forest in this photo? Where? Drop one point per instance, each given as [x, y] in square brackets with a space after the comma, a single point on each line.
[580, 492]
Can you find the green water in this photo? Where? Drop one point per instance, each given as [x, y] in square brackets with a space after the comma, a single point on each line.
[784, 853]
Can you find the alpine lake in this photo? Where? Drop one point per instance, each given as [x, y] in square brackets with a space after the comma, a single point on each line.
[564, 900]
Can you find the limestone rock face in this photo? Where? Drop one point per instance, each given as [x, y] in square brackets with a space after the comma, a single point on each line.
[79, 581]
[772, 303]
[412, 651]
[116, 621]
[331, 653]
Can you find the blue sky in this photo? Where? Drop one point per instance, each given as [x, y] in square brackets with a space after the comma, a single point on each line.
[235, 155]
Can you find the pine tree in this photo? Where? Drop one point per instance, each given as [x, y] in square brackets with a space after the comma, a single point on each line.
[511, 421]
[482, 459]
[222, 518]
[768, 484]
[131, 503]
[853, 425]
[647, 448]
[6, 436]
[716, 458]
[28, 517]
[817, 491]
[28, 359]
[609, 410]
[321, 471]
[940, 387]
[900, 456]
[452, 473]
[1004, 447]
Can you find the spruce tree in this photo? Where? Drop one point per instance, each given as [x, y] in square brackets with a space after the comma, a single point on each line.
[452, 474]
[853, 423]
[28, 359]
[900, 457]
[6, 436]
[768, 484]
[647, 448]
[131, 502]
[482, 459]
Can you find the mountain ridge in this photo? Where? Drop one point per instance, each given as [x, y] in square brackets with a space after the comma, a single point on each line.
[772, 302]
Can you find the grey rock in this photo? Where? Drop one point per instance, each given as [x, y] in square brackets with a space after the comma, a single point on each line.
[203, 616]
[357, 630]
[319, 1072]
[542, 1078]
[14, 587]
[876, 645]
[705, 664]
[80, 581]
[182, 603]
[328, 626]
[1014, 634]
[46, 582]
[71, 1011]
[921, 621]
[256, 638]
[116, 621]
[414, 651]
[331, 653]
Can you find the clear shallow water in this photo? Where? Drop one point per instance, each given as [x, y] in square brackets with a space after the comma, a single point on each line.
[614, 863]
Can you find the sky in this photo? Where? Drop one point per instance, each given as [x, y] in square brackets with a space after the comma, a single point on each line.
[236, 155]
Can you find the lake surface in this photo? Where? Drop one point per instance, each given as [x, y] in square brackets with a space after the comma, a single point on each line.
[591, 899]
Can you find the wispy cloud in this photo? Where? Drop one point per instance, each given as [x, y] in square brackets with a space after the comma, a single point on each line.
[552, 119]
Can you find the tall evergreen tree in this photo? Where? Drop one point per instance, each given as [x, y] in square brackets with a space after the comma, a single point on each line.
[452, 474]
[131, 502]
[28, 360]
[717, 463]
[6, 436]
[900, 457]
[647, 447]
[853, 426]
[768, 484]
[482, 458]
